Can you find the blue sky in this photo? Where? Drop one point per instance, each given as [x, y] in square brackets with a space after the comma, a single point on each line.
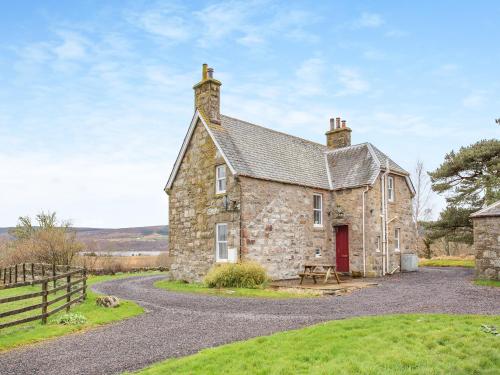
[96, 97]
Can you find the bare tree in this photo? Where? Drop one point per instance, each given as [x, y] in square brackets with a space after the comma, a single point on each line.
[48, 241]
[422, 209]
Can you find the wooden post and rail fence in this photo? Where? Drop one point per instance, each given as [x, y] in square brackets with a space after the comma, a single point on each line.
[70, 280]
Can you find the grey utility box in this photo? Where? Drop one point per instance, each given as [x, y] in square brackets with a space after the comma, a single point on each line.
[409, 262]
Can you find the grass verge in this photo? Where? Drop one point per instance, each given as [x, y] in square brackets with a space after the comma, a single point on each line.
[483, 282]
[179, 286]
[468, 263]
[34, 331]
[399, 344]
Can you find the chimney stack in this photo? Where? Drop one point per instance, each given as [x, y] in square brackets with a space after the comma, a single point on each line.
[207, 96]
[339, 135]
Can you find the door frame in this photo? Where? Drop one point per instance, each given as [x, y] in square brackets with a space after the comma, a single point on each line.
[346, 226]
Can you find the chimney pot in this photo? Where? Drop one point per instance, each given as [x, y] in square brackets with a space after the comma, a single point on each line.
[337, 122]
[332, 124]
[204, 72]
[343, 123]
[210, 72]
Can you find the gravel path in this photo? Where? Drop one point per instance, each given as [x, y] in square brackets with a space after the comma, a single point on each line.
[180, 324]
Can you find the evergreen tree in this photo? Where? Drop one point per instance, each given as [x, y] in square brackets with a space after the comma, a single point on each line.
[470, 180]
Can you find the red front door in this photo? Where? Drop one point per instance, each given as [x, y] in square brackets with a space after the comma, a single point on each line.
[342, 248]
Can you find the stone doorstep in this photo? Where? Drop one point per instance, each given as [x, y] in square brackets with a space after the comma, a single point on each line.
[330, 288]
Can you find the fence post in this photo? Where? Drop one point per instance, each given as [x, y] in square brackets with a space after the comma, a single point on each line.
[10, 275]
[5, 275]
[32, 271]
[68, 291]
[43, 271]
[54, 273]
[24, 272]
[15, 274]
[84, 291]
[44, 302]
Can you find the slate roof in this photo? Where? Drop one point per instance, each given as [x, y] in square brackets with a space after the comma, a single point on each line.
[263, 153]
[492, 210]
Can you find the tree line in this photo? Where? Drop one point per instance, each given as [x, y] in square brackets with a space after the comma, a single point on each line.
[469, 179]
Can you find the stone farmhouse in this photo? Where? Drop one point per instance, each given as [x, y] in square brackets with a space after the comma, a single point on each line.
[240, 191]
[487, 241]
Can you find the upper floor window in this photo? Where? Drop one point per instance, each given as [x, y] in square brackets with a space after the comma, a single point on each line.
[390, 188]
[318, 210]
[220, 179]
[377, 249]
[396, 240]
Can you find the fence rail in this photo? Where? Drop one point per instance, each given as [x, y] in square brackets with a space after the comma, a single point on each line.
[33, 274]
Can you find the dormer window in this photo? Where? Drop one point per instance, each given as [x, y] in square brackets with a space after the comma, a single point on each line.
[220, 179]
[390, 189]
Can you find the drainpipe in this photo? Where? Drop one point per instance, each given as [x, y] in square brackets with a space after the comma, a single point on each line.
[385, 252]
[382, 216]
[364, 242]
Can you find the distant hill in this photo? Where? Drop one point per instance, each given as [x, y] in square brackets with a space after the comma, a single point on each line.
[152, 238]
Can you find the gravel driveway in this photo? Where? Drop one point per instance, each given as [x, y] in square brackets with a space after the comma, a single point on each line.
[180, 324]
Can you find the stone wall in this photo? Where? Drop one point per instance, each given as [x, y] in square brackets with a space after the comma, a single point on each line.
[195, 209]
[348, 210]
[487, 245]
[277, 227]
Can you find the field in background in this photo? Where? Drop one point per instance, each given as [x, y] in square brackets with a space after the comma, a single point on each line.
[115, 264]
[137, 239]
[448, 261]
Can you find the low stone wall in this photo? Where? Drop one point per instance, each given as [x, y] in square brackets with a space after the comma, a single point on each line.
[487, 245]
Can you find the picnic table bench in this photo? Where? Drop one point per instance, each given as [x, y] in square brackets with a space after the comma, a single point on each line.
[319, 271]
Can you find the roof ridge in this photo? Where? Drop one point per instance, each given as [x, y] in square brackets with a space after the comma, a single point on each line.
[276, 131]
[347, 147]
[485, 209]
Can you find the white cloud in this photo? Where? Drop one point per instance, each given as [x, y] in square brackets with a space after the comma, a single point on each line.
[396, 33]
[71, 48]
[373, 54]
[310, 77]
[130, 192]
[369, 20]
[166, 21]
[351, 81]
[474, 100]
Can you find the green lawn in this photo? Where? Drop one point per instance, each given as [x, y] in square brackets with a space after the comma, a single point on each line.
[179, 286]
[34, 331]
[400, 344]
[482, 282]
[468, 263]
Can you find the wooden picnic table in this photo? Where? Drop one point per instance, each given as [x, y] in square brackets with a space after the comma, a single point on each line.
[313, 271]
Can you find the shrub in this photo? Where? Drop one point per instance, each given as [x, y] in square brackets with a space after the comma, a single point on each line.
[236, 275]
[73, 319]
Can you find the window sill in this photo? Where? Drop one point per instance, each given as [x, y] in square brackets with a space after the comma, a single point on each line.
[222, 261]
[397, 250]
[318, 226]
[220, 192]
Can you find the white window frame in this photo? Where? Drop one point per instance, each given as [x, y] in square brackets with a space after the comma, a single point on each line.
[390, 188]
[378, 245]
[218, 243]
[220, 179]
[397, 239]
[320, 210]
[317, 253]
